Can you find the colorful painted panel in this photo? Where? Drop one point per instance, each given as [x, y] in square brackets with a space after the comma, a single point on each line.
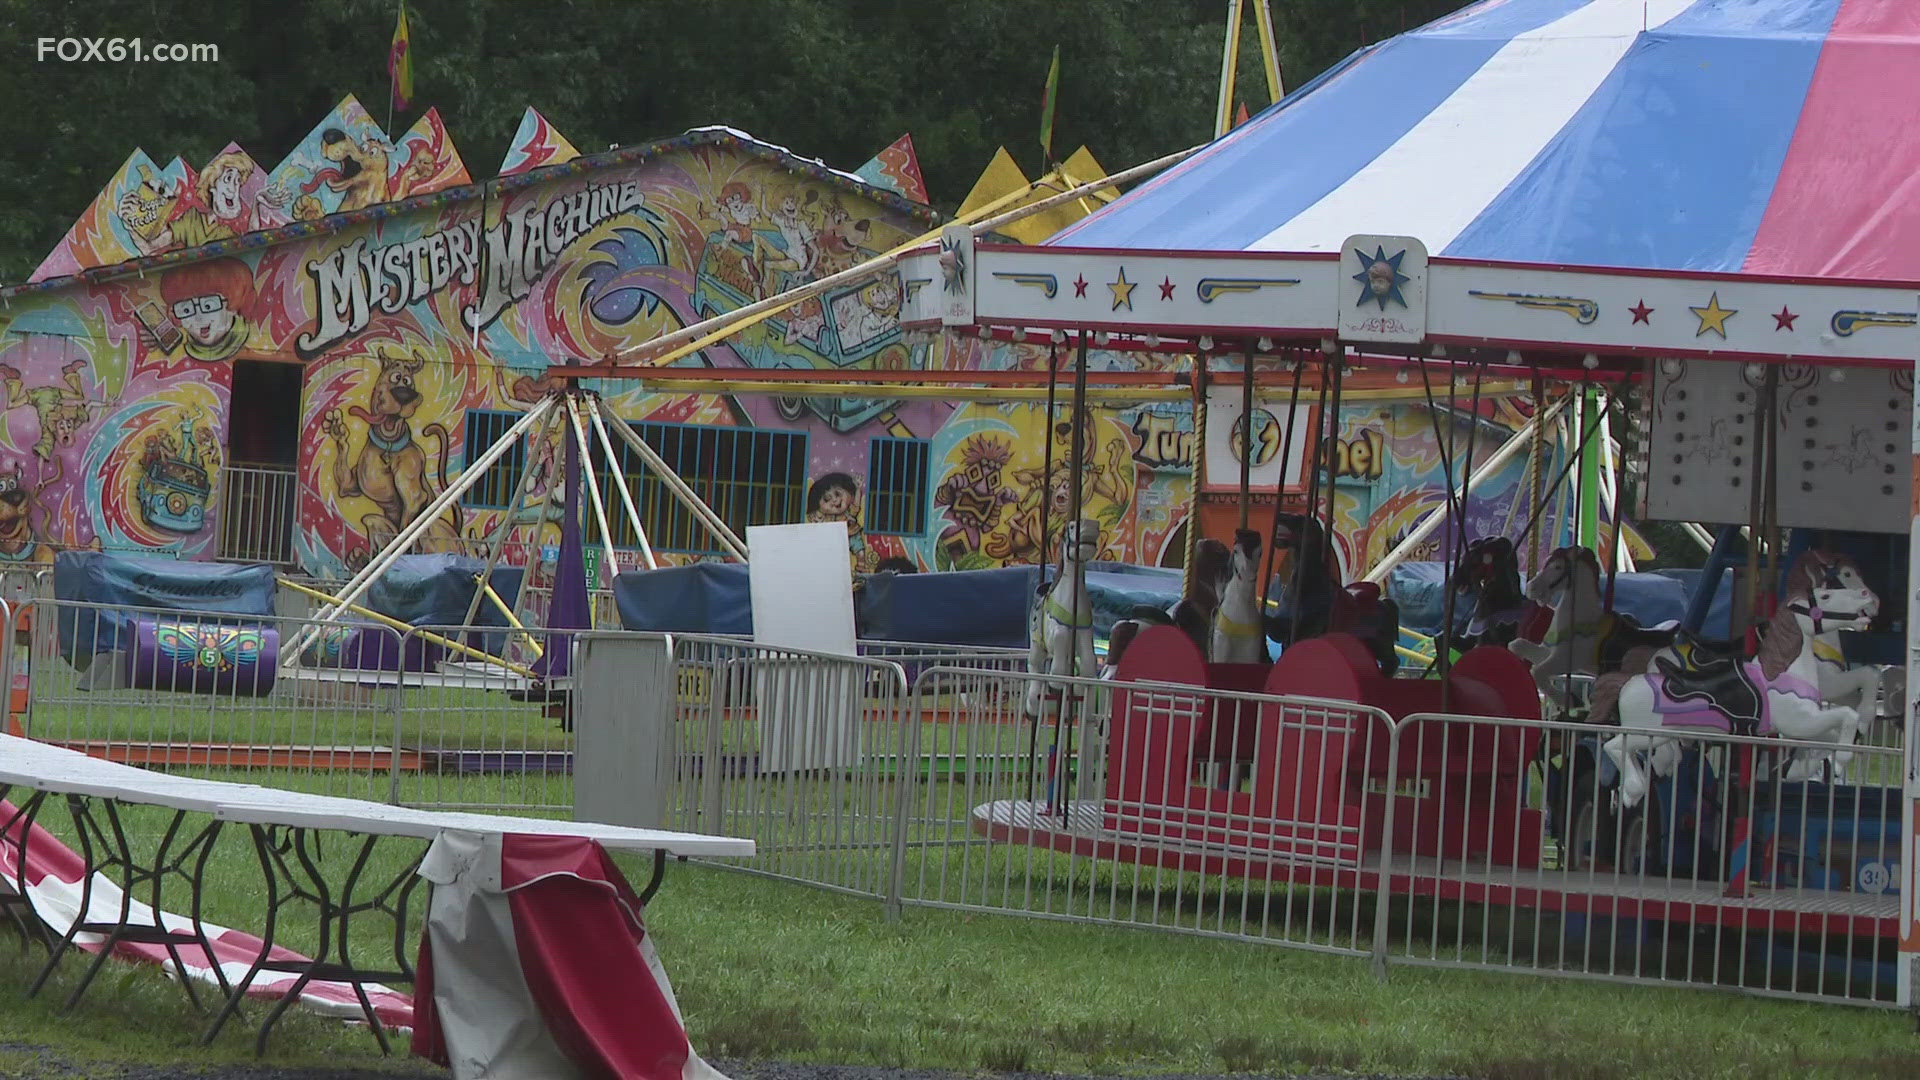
[535, 143]
[420, 336]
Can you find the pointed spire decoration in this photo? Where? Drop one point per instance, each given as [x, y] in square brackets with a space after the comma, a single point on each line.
[536, 144]
[897, 168]
[344, 163]
[425, 160]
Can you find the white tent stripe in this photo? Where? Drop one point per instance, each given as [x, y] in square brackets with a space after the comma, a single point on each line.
[1455, 161]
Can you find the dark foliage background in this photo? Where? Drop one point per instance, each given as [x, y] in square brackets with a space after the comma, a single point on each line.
[834, 79]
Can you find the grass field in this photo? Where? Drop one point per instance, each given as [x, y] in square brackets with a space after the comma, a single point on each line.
[771, 970]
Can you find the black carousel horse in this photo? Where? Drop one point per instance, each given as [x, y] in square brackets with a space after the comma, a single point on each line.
[1489, 598]
[1314, 604]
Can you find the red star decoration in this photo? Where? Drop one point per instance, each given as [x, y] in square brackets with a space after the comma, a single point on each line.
[1080, 285]
[1166, 289]
[1783, 320]
[1641, 311]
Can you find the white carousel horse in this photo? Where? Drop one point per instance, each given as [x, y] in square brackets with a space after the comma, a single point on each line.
[1868, 689]
[1840, 683]
[1062, 633]
[1239, 635]
[1583, 637]
[1776, 692]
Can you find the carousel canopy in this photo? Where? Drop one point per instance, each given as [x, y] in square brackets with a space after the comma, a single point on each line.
[1759, 136]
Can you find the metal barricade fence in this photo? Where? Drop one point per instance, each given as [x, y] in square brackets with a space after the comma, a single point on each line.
[486, 713]
[213, 694]
[1439, 840]
[1713, 859]
[808, 754]
[1147, 804]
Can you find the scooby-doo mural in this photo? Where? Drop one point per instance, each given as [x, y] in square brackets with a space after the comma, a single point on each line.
[423, 318]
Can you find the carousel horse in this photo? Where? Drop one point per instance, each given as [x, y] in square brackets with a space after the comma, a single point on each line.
[1489, 599]
[1775, 693]
[1582, 638]
[1194, 612]
[1122, 636]
[1315, 604]
[1238, 633]
[1062, 630]
[1863, 687]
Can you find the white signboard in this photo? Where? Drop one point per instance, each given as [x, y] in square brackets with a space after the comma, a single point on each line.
[1226, 441]
[1845, 460]
[1383, 290]
[800, 580]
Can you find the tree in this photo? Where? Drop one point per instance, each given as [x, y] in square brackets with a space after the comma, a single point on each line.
[833, 79]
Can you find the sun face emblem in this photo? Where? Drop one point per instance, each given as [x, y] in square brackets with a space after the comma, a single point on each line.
[1380, 278]
[953, 267]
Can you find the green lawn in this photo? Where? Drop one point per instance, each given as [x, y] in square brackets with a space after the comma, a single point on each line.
[771, 970]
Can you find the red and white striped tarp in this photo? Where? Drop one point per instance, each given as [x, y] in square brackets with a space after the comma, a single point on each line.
[53, 885]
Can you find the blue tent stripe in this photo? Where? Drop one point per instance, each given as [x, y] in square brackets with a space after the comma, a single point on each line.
[1626, 181]
[1268, 171]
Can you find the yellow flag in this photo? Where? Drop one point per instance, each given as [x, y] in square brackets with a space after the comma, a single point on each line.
[400, 62]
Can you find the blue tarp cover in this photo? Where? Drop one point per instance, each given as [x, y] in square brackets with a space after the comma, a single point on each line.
[1651, 598]
[434, 590]
[147, 581]
[705, 598]
[966, 607]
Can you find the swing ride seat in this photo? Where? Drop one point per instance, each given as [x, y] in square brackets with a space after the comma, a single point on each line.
[1304, 780]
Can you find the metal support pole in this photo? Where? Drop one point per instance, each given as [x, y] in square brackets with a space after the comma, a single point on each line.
[1246, 436]
[678, 487]
[499, 540]
[593, 484]
[1229, 64]
[621, 485]
[362, 581]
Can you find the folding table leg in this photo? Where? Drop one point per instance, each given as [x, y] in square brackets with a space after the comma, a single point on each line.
[88, 868]
[17, 903]
[335, 912]
[133, 875]
[263, 849]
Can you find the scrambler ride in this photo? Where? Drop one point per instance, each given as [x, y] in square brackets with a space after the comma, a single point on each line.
[1555, 756]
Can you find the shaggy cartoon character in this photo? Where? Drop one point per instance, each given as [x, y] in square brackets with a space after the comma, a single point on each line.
[63, 410]
[391, 468]
[209, 206]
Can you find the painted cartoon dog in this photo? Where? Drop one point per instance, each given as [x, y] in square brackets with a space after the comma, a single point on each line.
[19, 540]
[391, 468]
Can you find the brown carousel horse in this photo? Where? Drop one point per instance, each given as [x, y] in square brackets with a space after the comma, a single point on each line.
[1315, 604]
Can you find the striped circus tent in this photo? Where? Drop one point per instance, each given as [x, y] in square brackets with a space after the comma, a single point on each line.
[1757, 136]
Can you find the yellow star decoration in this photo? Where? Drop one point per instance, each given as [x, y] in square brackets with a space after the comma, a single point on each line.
[1713, 317]
[1122, 291]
